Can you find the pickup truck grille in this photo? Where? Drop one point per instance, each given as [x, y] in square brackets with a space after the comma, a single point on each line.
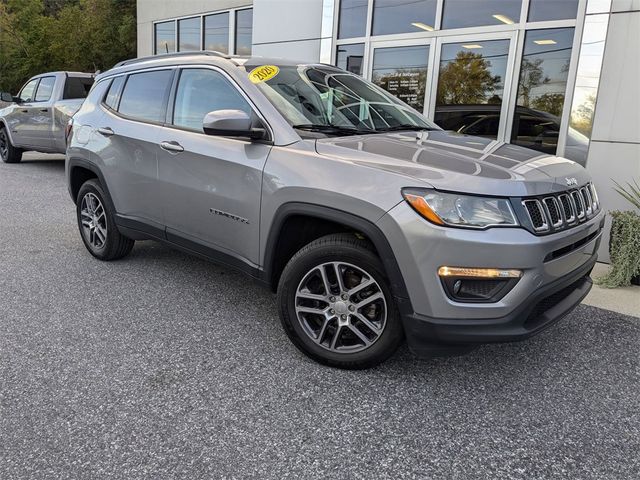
[562, 211]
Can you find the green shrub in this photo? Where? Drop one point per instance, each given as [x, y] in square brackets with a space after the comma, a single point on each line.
[624, 250]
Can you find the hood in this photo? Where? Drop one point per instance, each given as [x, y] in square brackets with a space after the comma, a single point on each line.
[457, 162]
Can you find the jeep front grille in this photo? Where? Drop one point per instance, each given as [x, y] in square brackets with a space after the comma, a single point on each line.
[561, 211]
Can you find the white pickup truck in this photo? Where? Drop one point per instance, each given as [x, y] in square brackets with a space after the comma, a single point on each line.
[36, 119]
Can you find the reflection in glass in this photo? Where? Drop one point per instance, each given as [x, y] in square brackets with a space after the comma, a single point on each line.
[402, 71]
[349, 57]
[542, 10]
[402, 16]
[352, 21]
[165, 40]
[216, 32]
[541, 88]
[244, 29]
[471, 87]
[189, 34]
[586, 90]
[471, 13]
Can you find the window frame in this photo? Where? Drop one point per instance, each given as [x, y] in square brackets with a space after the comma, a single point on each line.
[232, 28]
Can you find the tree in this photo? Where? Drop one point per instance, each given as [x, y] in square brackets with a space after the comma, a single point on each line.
[549, 102]
[466, 80]
[531, 76]
[46, 35]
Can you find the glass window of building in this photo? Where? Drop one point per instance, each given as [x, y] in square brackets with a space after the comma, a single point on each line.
[352, 19]
[473, 13]
[402, 71]
[189, 34]
[244, 28]
[165, 37]
[541, 88]
[216, 32]
[402, 16]
[471, 87]
[543, 10]
[349, 57]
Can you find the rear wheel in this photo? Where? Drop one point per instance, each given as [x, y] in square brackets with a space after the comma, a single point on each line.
[8, 153]
[97, 226]
[336, 305]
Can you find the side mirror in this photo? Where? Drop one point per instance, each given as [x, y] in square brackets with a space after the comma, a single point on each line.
[6, 97]
[231, 123]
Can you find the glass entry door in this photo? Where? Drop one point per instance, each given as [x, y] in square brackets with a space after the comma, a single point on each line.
[471, 93]
[402, 70]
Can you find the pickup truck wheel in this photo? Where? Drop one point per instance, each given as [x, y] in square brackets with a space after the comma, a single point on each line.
[336, 306]
[8, 153]
[97, 226]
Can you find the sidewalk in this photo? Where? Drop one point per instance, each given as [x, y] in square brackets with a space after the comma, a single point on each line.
[622, 300]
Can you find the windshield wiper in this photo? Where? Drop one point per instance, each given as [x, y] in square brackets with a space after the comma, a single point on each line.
[404, 126]
[335, 129]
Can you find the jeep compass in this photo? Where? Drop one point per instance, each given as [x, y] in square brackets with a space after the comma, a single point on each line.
[372, 224]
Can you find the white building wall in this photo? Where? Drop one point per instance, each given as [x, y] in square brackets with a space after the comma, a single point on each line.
[290, 29]
[614, 153]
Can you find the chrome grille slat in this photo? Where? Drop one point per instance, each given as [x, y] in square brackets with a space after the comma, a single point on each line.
[561, 211]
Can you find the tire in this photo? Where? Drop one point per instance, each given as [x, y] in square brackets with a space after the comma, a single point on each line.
[8, 153]
[95, 217]
[330, 337]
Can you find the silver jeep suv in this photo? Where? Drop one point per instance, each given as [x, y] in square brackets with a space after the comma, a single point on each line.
[371, 223]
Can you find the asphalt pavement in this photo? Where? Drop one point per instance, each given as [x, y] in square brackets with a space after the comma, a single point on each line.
[166, 366]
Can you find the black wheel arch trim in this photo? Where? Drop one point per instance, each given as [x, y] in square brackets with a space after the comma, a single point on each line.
[357, 223]
[75, 162]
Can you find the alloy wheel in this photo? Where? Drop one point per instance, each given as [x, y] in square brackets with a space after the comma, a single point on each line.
[4, 144]
[341, 307]
[94, 221]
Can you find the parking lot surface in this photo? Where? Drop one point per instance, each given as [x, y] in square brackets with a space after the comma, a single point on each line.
[162, 365]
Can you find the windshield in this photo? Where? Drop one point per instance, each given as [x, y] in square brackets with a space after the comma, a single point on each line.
[334, 102]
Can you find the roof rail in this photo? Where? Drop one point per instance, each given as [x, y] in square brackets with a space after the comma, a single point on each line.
[211, 53]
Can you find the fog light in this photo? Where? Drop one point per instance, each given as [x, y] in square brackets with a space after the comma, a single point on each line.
[478, 272]
[478, 285]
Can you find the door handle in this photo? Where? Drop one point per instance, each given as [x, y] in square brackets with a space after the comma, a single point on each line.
[24, 110]
[106, 131]
[44, 109]
[172, 147]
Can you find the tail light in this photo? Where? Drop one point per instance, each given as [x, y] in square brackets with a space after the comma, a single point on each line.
[68, 131]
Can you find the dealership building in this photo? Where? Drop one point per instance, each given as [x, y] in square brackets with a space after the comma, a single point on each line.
[559, 76]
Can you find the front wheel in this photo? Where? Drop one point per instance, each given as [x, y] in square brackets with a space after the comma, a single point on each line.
[97, 225]
[8, 153]
[336, 305]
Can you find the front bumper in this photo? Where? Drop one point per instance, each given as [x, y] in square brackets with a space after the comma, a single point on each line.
[543, 308]
[556, 278]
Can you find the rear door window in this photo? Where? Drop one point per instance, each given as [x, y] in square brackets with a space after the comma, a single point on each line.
[145, 95]
[113, 95]
[201, 91]
[45, 89]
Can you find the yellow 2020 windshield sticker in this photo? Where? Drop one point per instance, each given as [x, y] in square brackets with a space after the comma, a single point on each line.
[263, 73]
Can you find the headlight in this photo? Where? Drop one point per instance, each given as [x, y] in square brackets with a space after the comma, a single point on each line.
[458, 210]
